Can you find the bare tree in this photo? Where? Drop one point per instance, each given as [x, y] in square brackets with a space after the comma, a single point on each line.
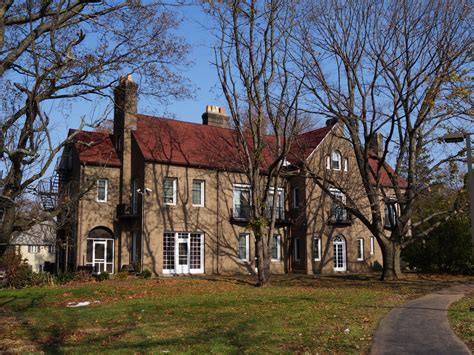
[253, 63]
[65, 50]
[392, 68]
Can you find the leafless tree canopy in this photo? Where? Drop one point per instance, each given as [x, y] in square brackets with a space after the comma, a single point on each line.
[61, 50]
[399, 68]
[254, 66]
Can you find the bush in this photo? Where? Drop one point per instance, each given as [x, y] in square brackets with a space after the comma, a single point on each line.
[103, 276]
[65, 277]
[42, 279]
[447, 249]
[145, 274]
[17, 271]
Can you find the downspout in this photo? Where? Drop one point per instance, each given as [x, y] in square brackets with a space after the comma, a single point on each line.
[217, 222]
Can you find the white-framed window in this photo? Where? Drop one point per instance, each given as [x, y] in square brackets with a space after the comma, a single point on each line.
[183, 253]
[102, 185]
[360, 249]
[346, 164]
[244, 246]
[33, 249]
[198, 193]
[296, 197]
[241, 201]
[51, 249]
[169, 190]
[280, 203]
[336, 160]
[338, 211]
[276, 247]
[317, 248]
[297, 250]
[372, 245]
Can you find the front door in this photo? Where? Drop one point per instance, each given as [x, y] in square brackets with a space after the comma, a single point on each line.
[339, 253]
[99, 255]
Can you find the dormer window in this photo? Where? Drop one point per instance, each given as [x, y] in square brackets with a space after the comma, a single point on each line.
[336, 160]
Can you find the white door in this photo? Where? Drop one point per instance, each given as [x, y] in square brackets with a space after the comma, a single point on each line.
[182, 253]
[99, 256]
[339, 253]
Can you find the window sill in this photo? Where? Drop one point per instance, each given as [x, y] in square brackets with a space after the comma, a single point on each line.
[198, 206]
[360, 259]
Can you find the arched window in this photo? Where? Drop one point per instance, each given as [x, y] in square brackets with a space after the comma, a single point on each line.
[336, 160]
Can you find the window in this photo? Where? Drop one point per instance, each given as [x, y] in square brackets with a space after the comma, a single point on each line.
[390, 214]
[297, 250]
[241, 202]
[276, 241]
[244, 247]
[372, 245]
[102, 190]
[198, 193]
[338, 211]
[51, 249]
[169, 191]
[280, 204]
[33, 249]
[336, 160]
[360, 249]
[346, 164]
[317, 248]
[296, 197]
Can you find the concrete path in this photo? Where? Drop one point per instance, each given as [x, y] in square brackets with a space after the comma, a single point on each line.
[421, 326]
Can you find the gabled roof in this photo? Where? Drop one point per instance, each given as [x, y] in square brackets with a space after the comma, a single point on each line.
[384, 173]
[40, 234]
[191, 144]
[95, 148]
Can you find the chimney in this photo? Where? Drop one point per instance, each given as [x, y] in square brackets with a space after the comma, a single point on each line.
[376, 144]
[125, 100]
[215, 116]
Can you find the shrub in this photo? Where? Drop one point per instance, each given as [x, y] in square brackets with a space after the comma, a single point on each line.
[17, 271]
[446, 249]
[65, 277]
[42, 279]
[83, 276]
[145, 274]
[103, 276]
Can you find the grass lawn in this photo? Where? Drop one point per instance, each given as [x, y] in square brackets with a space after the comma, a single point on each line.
[200, 315]
[462, 320]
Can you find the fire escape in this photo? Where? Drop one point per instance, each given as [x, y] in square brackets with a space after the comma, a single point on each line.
[48, 189]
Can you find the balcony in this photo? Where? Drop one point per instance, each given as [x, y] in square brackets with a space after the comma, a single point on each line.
[339, 216]
[240, 213]
[243, 213]
[124, 211]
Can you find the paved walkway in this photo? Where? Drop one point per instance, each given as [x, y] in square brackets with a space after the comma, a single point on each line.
[421, 326]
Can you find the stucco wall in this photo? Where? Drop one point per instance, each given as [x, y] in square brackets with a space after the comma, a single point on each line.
[37, 260]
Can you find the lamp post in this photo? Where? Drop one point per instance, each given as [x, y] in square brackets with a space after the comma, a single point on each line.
[458, 137]
[142, 237]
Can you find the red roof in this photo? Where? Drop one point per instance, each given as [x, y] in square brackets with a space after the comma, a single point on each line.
[95, 148]
[191, 144]
[185, 143]
[384, 174]
[305, 143]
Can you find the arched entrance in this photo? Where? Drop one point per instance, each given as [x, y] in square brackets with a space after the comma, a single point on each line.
[100, 250]
[339, 244]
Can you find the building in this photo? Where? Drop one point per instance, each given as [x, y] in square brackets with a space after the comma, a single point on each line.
[37, 246]
[170, 196]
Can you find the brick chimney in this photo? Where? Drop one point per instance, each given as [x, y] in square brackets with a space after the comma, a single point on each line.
[125, 121]
[377, 144]
[215, 116]
[125, 100]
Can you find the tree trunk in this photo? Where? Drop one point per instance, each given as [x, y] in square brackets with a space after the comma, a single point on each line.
[263, 260]
[391, 261]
